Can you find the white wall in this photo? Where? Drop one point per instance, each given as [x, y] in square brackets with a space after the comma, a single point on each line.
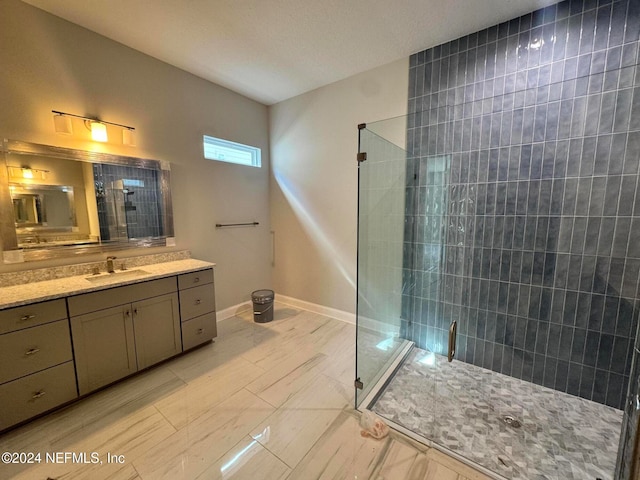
[47, 63]
[314, 142]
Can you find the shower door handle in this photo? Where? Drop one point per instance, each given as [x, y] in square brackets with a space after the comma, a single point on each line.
[453, 330]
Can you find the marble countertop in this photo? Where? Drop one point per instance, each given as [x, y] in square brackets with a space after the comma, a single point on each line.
[17, 295]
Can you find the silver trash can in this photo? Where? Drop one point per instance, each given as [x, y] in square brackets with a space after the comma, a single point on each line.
[262, 305]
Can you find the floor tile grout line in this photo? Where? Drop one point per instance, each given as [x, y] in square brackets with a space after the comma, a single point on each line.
[166, 419]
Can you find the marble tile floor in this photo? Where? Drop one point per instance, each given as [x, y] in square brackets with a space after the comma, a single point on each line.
[374, 354]
[264, 401]
[462, 407]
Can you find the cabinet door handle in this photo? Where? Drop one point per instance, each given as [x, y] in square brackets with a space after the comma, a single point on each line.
[196, 280]
[135, 311]
[27, 317]
[39, 394]
[200, 331]
[197, 302]
[32, 351]
[127, 313]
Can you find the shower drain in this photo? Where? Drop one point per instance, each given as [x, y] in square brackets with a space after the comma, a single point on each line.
[511, 421]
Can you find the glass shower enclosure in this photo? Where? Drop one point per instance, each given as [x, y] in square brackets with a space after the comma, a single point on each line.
[497, 272]
[380, 254]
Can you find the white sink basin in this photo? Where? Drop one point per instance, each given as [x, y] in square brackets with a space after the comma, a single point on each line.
[116, 276]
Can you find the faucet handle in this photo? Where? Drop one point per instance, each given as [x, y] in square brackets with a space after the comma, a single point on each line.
[110, 260]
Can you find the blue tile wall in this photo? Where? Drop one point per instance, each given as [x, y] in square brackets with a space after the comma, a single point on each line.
[522, 210]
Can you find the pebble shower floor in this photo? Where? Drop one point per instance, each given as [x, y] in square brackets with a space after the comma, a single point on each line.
[471, 411]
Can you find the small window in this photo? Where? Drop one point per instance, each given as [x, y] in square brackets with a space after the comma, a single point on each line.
[226, 151]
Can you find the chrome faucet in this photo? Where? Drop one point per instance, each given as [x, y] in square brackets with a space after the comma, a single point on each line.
[110, 264]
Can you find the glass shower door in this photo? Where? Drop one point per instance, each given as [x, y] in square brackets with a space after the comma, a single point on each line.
[381, 220]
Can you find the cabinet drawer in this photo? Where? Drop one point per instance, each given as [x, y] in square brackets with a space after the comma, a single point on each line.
[18, 318]
[33, 349]
[194, 279]
[199, 330]
[112, 297]
[37, 393]
[197, 301]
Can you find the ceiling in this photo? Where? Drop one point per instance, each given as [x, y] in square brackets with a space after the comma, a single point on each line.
[272, 50]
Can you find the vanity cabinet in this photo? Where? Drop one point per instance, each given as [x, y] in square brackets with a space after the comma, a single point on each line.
[53, 351]
[197, 308]
[36, 361]
[135, 327]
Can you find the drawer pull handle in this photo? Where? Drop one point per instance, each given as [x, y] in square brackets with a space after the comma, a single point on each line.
[27, 317]
[32, 351]
[39, 394]
[196, 280]
[200, 331]
[197, 301]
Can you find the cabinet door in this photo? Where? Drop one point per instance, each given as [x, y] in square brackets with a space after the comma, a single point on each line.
[104, 347]
[156, 322]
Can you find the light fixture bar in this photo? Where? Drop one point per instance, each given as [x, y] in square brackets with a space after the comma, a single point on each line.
[92, 119]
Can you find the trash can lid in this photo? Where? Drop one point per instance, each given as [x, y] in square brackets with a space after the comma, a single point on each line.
[262, 295]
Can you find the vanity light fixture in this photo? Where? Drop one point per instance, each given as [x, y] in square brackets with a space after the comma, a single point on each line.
[97, 127]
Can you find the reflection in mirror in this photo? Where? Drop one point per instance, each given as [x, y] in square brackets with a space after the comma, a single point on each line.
[40, 209]
[26, 208]
[64, 202]
[127, 202]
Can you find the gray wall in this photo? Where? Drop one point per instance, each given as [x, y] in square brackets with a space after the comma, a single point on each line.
[537, 256]
[48, 63]
[314, 190]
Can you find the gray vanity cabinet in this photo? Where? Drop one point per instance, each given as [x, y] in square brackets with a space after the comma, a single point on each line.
[122, 338]
[197, 308]
[98, 338]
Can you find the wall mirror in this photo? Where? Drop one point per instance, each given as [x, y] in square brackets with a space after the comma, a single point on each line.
[57, 202]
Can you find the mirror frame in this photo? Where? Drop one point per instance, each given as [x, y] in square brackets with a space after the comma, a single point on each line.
[8, 234]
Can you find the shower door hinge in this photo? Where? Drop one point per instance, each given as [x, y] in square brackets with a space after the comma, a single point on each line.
[358, 384]
[362, 126]
[362, 156]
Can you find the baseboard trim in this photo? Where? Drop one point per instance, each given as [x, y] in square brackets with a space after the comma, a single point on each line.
[232, 311]
[315, 308]
[341, 315]
[380, 327]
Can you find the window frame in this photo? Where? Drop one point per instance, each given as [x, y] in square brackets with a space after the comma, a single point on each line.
[234, 147]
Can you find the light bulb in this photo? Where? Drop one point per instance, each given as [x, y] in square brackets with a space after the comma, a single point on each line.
[99, 132]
